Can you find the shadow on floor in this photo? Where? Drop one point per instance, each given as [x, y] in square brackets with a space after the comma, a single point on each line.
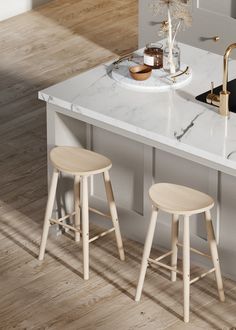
[23, 171]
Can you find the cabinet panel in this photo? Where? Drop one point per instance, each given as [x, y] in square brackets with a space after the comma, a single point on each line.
[226, 7]
[228, 224]
[127, 170]
[173, 169]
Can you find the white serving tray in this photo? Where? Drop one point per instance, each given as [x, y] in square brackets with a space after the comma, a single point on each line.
[159, 80]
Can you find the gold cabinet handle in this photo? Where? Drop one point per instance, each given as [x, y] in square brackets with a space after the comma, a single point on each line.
[214, 38]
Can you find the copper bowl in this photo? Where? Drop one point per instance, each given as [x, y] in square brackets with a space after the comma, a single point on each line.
[140, 72]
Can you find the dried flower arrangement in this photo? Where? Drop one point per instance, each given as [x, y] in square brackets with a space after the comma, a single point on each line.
[178, 15]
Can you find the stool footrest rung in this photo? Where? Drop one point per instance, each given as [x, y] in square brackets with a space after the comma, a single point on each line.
[102, 234]
[100, 213]
[59, 222]
[164, 255]
[164, 265]
[202, 275]
[196, 251]
[66, 216]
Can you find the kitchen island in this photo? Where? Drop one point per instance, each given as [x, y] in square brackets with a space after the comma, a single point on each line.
[153, 137]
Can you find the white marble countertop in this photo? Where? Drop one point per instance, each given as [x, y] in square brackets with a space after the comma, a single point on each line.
[172, 120]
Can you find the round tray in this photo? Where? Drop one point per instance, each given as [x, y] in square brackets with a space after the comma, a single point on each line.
[159, 80]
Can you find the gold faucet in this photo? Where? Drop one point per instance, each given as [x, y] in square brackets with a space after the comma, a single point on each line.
[222, 100]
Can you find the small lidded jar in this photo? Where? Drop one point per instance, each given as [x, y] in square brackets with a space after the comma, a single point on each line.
[153, 55]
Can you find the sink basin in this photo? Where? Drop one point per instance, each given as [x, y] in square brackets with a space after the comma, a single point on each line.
[231, 87]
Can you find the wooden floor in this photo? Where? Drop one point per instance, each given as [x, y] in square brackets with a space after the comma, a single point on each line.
[38, 49]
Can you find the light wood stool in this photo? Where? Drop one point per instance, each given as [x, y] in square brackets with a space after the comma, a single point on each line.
[180, 200]
[80, 163]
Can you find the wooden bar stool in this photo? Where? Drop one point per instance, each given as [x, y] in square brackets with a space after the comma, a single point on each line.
[80, 163]
[180, 200]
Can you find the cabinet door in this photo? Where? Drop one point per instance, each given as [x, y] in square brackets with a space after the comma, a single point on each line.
[210, 18]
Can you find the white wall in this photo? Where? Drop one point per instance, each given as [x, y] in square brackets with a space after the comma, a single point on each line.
[9, 8]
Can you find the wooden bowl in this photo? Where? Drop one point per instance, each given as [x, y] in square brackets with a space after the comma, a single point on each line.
[140, 72]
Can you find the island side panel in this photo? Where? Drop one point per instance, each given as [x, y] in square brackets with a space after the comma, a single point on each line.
[135, 167]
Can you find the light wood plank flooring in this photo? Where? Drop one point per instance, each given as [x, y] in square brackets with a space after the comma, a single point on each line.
[40, 48]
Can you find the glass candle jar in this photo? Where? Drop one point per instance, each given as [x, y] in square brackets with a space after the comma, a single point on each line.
[153, 55]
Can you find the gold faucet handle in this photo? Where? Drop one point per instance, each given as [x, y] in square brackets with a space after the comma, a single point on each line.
[210, 96]
[216, 100]
[213, 98]
[212, 87]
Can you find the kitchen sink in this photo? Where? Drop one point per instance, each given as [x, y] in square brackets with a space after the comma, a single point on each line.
[231, 87]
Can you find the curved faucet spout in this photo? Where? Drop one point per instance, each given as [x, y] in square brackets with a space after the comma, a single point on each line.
[226, 60]
[222, 100]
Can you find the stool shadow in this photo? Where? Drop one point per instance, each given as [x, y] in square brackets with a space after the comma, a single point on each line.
[15, 241]
[36, 244]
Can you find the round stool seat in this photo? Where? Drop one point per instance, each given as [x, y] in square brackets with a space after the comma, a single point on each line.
[177, 199]
[79, 161]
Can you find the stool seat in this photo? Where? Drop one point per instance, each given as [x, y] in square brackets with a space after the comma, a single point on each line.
[79, 161]
[177, 199]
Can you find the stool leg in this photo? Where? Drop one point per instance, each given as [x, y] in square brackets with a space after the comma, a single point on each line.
[113, 211]
[186, 267]
[174, 247]
[146, 253]
[85, 227]
[214, 255]
[77, 206]
[48, 213]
